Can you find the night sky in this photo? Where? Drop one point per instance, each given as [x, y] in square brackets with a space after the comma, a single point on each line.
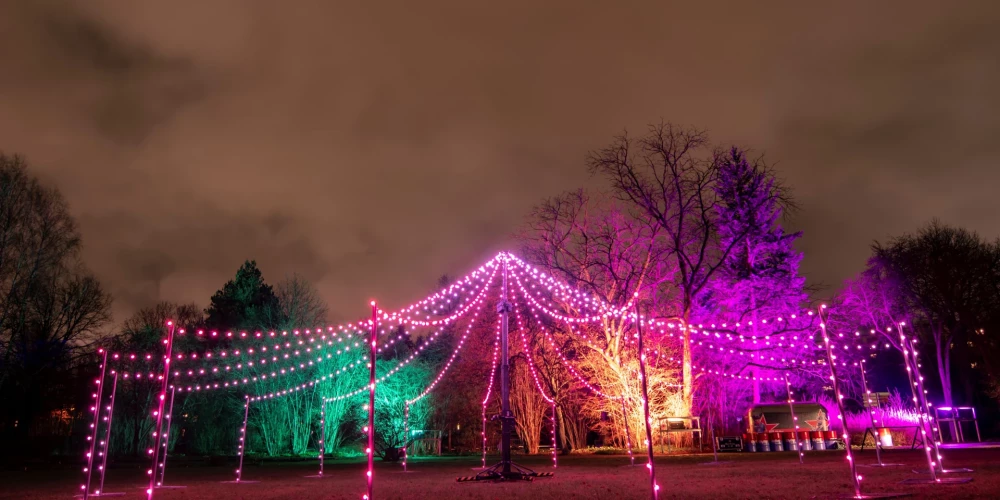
[373, 147]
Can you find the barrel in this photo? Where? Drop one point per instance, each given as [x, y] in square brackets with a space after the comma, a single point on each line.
[830, 440]
[804, 440]
[749, 442]
[789, 440]
[775, 439]
[762, 443]
[817, 440]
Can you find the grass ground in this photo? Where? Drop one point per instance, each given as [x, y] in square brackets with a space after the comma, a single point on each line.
[745, 475]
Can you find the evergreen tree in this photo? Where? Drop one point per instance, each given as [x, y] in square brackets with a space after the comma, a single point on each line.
[760, 277]
[245, 302]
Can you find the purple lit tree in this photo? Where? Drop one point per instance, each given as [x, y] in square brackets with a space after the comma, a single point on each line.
[759, 278]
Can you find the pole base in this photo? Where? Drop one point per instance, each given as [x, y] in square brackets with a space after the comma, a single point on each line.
[316, 476]
[99, 495]
[882, 495]
[960, 470]
[243, 481]
[940, 480]
[496, 474]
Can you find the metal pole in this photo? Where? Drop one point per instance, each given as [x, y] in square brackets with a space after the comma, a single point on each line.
[916, 402]
[855, 479]
[871, 415]
[795, 420]
[243, 437]
[155, 450]
[371, 405]
[555, 454]
[484, 436]
[628, 434]
[97, 420]
[506, 416]
[166, 437]
[711, 429]
[926, 407]
[322, 437]
[107, 432]
[406, 433]
[654, 488]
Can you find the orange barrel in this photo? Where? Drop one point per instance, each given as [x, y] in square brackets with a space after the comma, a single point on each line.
[789, 439]
[804, 441]
[762, 443]
[830, 439]
[817, 440]
[749, 442]
[775, 439]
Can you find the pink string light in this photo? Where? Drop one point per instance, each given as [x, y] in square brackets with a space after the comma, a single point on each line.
[538, 383]
[370, 428]
[429, 307]
[855, 477]
[451, 359]
[489, 387]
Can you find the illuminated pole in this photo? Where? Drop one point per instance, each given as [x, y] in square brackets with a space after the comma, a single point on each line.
[484, 435]
[107, 432]
[855, 478]
[555, 459]
[96, 409]
[166, 437]
[155, 450]
[654, 488]
[628, 434]
[371, 406]
[322, 437]
[506, 416]
[243, 437]
[935, 431]
[795, 420]
[931, 463]
[406, 433]
[871, 414]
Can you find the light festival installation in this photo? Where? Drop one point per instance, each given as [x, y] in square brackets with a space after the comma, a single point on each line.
[647, 420]
[299, 349]
[872, 419]
[538, 383]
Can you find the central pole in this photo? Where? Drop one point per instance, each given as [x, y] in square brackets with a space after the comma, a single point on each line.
[506, 417]
[371, 404]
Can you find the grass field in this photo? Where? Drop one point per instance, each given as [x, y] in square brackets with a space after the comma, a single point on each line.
[745, 475]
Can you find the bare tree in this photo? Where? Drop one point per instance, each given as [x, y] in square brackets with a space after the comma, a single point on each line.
[300, 303]
[669, 177]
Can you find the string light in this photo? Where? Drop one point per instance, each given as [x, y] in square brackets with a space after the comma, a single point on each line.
[538, 383]
[855, 477]
[795, 421]
[243, 436]
[370, 428]
[489, 387]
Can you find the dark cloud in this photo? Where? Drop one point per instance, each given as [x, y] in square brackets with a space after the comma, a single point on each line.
[375, 146]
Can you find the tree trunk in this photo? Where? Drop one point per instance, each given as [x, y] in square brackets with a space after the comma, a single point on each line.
[687, 375]
[944, 368]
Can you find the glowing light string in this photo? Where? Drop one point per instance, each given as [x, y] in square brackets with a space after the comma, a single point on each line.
[559, 353]
[451, 359]
[538, 383]
[489, 387]
[403, 316]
